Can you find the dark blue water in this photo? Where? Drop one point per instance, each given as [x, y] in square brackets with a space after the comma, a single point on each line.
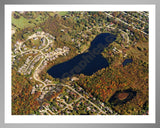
[85, 63]
[127, 61]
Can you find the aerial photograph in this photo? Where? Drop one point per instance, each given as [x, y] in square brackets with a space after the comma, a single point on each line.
[80, 63]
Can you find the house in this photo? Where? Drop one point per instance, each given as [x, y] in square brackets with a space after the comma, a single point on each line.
[88, 108]
[33, 91]
[46, 104]
[66, 97]
[38, 33]
[74, 79]
[111, 24]
[77, 104]
[54, 108]
[40, 85]
[46, 88]
[62, 30]
[61, 105]
[50, 88]
[58, 98]
[102, 104]
[35, 38]
[67, 90]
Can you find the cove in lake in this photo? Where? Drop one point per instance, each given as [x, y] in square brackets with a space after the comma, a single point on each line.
[85, 63]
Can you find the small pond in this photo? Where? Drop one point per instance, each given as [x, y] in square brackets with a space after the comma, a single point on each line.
[127, 61]
[121, 97]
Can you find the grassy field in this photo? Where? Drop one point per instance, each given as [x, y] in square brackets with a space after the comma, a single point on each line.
[141, 53]
[62, 13]
[24, 23]
[33, 43]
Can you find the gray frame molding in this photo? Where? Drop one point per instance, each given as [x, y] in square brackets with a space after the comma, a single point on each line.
[3, 2]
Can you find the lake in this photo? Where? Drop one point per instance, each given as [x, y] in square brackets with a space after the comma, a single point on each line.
[85, 63]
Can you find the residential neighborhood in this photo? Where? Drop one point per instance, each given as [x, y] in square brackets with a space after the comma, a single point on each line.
[54, 38]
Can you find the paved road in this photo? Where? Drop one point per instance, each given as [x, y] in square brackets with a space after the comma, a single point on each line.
[36, 77]
[84, 98]
[135, 18]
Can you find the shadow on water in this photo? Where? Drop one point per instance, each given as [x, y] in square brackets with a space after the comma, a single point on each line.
[85, 63]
